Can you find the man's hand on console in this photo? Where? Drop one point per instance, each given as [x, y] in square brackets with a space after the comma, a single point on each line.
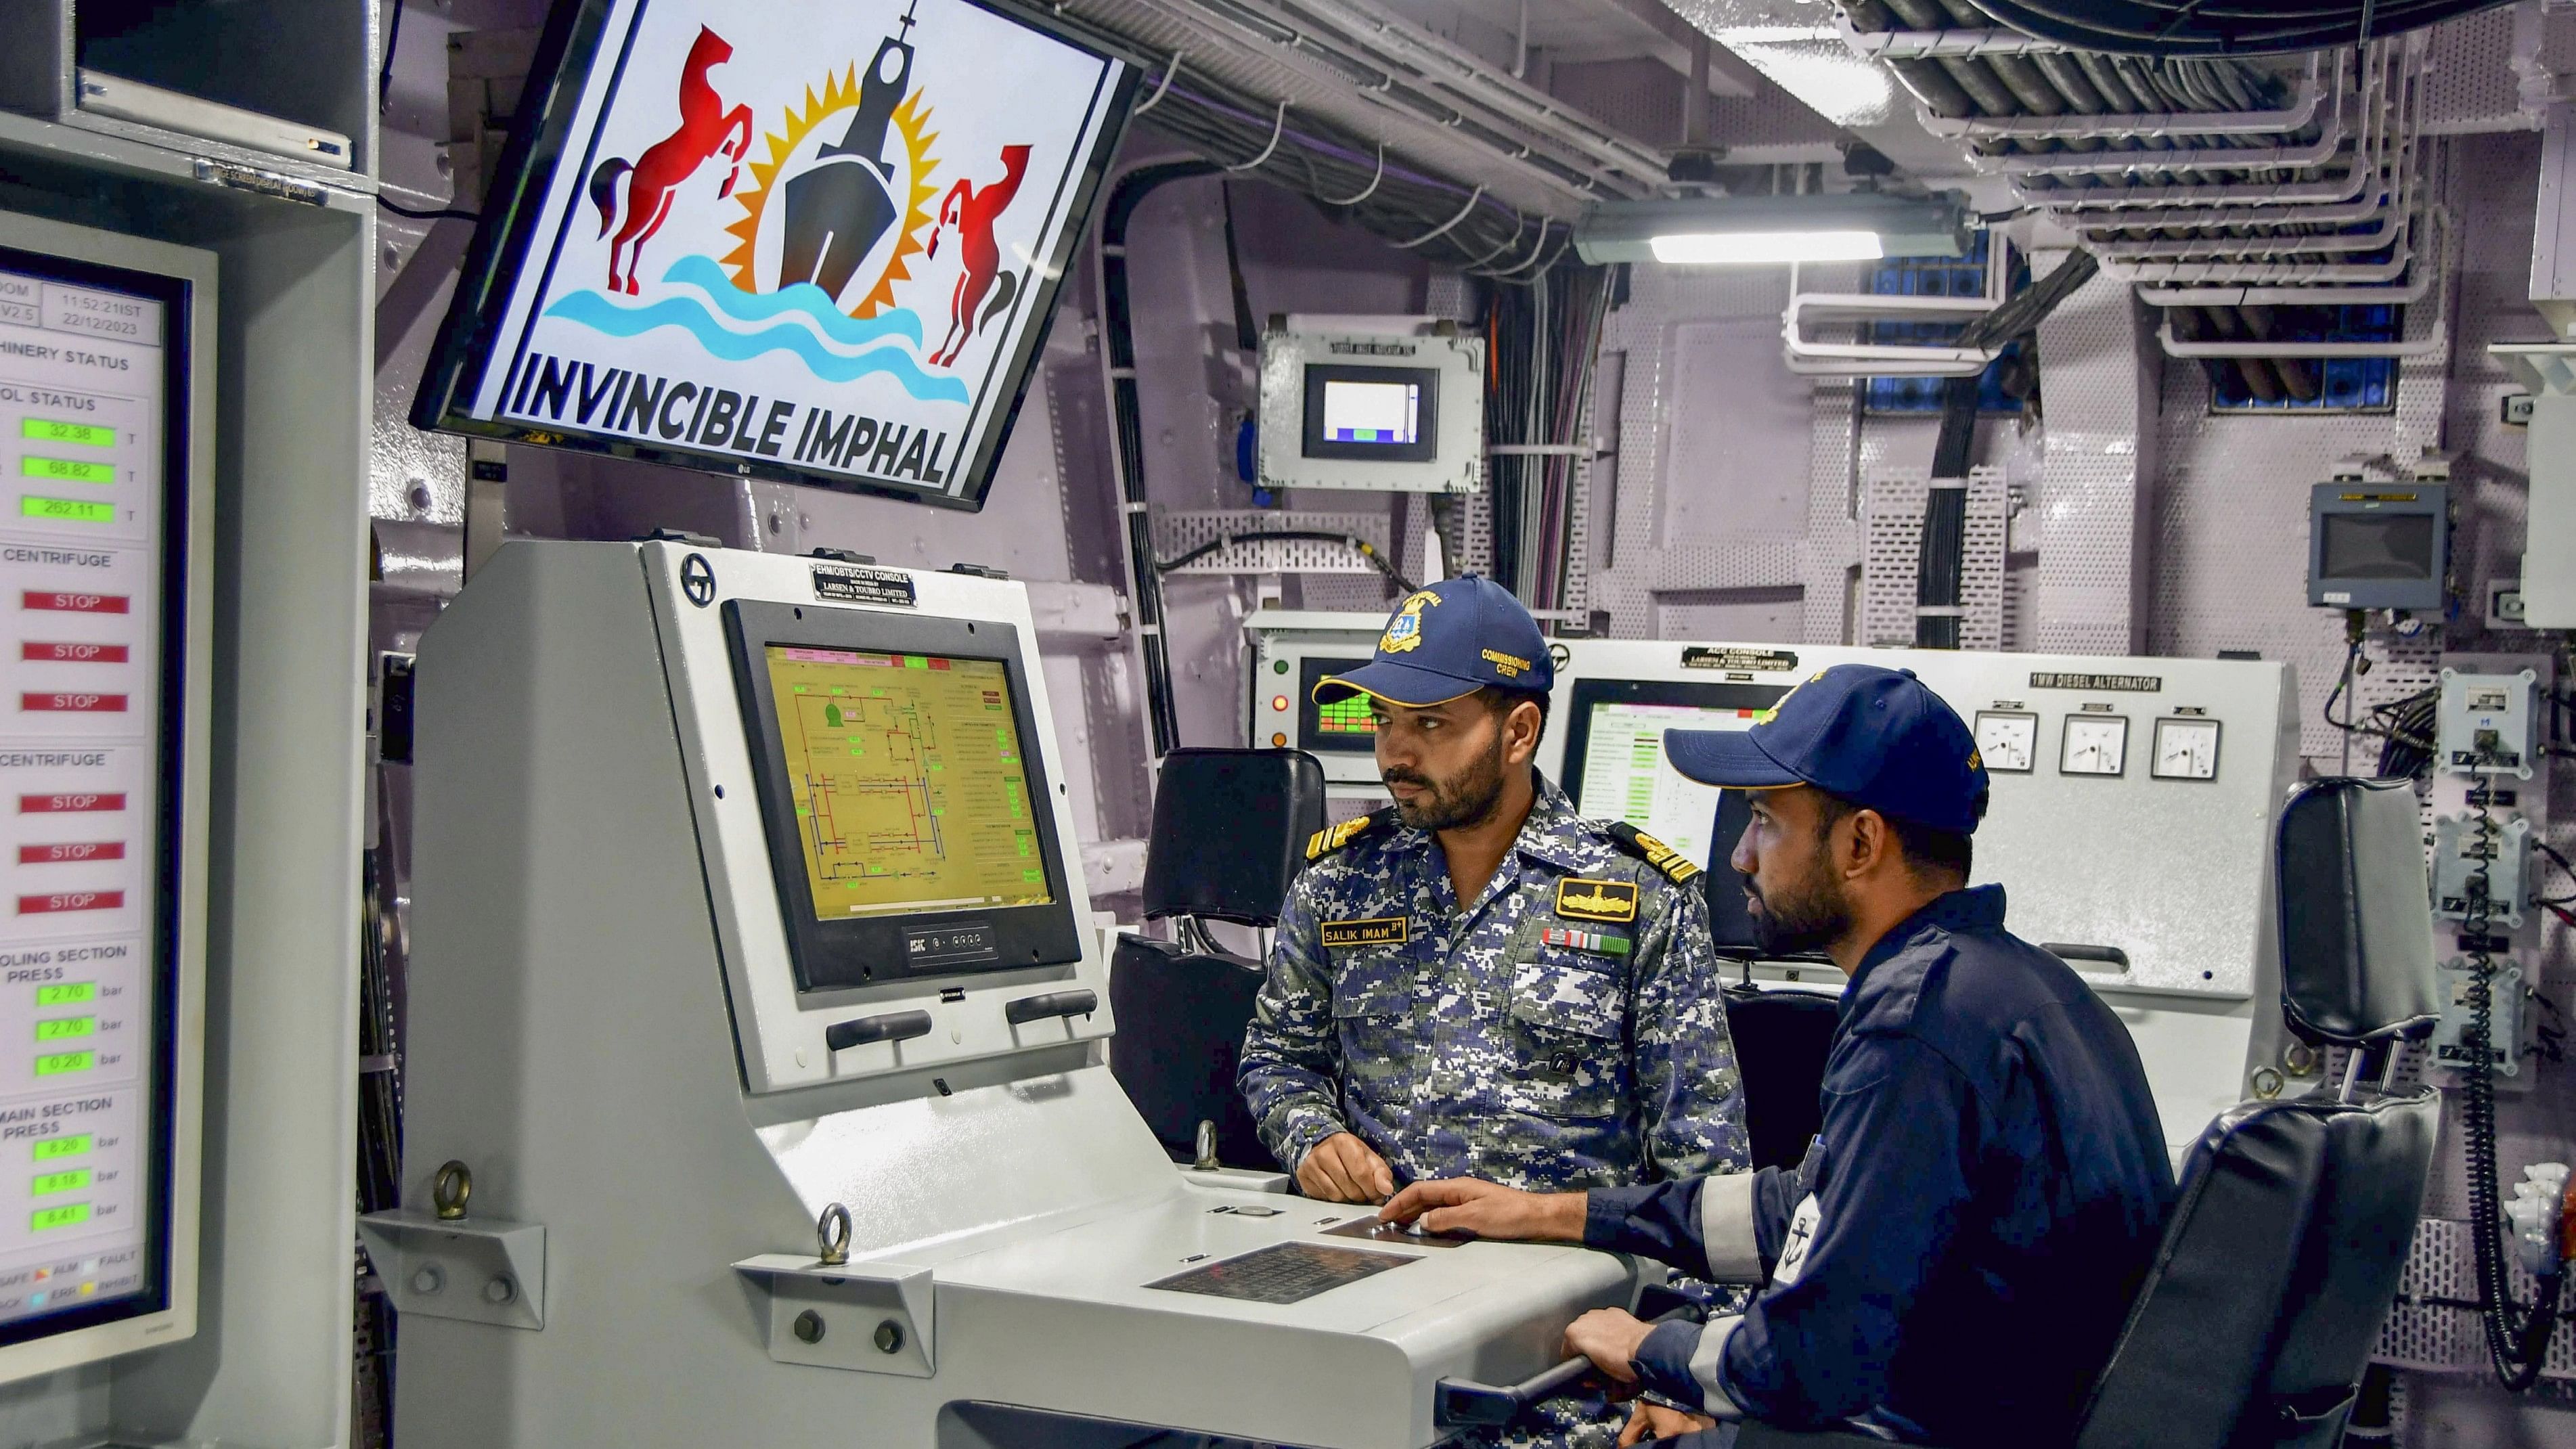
[1342, 1168]
[1610, 1338]
[1654, 1421]
[1487, 1210]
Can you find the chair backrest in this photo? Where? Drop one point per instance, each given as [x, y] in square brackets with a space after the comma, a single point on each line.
[1781, 1041]
[1230, 832]
[1180, 1019]
[2273, 1276]
[2355, 913]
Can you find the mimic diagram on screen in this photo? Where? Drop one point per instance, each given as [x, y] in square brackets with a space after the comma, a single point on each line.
[910, 790]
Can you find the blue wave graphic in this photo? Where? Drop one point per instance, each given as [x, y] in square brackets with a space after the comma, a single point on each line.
[804, 298]
[596, 311]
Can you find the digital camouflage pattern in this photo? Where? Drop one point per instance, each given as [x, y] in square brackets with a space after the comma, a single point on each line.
[1567, 1032]
[1498, 1042]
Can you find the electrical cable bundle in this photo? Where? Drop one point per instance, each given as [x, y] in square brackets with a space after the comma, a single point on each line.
[1449, 225]
[1541, 344]
[2517, 1334]
[2221, 27]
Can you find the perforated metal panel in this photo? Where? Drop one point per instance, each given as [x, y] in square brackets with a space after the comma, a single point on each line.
[2419, 1335]
[1176, 533]
[2097, 371]
[2469, 82]
[1892, 520]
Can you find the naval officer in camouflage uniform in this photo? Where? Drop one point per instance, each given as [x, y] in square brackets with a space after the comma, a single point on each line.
[1476, 981]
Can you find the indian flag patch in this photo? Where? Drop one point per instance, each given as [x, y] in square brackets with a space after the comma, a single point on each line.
[1592, 941]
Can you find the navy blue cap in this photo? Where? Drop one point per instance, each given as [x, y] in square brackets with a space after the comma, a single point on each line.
[1879, 738]
[1448, 641]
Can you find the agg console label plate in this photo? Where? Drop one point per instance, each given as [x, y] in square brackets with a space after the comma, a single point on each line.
[887, 587]
[1700, 656]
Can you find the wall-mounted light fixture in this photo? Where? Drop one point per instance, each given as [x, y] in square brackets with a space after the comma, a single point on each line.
[1849, 226]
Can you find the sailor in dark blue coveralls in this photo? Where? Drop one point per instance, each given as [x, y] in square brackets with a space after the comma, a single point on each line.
[1953, 1260]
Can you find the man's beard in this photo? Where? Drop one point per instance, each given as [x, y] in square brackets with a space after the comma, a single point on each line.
[1807, 915]
[1463, 801]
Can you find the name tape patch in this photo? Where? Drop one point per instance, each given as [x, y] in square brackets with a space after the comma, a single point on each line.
[1597, 900]
[1374, 931]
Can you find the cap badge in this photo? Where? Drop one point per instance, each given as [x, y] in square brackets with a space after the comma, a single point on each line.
[1597, 900]
[1404, 631]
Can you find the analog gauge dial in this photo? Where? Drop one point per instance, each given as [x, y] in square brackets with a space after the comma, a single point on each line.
[2008, 740]
[2095, 744]
[2186, 749]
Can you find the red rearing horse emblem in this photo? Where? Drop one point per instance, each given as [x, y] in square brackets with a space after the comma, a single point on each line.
[973, 210]
[706, 128]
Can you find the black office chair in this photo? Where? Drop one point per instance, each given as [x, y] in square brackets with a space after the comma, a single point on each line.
[1230, 831]
[2285, 1246]
[1781, 1036]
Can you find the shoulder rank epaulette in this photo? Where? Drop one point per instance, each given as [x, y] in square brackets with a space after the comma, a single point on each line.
[1674, 865]
[1333, 837]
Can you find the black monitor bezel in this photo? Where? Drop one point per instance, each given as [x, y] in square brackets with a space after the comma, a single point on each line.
[1589, 694]
[830, 956]
[2383, 500]
[177, 296]
[1311, 668]
[1425, 447]
[514, 203]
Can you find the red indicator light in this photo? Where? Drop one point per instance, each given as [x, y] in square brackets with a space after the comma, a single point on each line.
[64, 854]
[57, 804]
[67, 603]
[1279, 702]
[74, 653]
[62, 901]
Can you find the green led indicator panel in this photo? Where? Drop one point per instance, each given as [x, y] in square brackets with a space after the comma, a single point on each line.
[64, 470]
[57, 1063]
[70, 510]
[69, 1215]
[54, 1182]
[70, 993]
[53, 1149]
[1345, 717]
[63, 1028]
[52, 430]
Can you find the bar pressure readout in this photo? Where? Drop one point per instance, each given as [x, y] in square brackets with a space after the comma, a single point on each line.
[82, 402]
[910, 786]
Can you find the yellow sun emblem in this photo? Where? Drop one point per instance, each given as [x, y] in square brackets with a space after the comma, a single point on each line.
[840, 93]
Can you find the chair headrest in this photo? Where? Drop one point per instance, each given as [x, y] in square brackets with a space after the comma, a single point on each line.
[1230, 830]
[2355, 913]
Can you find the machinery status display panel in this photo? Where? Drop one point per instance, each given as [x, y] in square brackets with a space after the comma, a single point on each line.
[88, 750]
[1615, 756]
[903, 792]
[910, 786]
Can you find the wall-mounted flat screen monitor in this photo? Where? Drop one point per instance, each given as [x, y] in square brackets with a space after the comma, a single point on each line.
[1388, 413]
[98, 940]
[811, 240]
[1615, 767]
[2378, 546]
[907, 809]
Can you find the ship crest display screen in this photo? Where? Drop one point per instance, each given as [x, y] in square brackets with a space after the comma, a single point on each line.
[908, 780]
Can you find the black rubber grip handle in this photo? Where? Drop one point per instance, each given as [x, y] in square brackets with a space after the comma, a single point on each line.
[2071, 952]
[1465, 1401]
[1053, 1003]
[840, 1036]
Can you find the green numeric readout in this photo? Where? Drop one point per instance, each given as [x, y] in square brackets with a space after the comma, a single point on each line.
[54, 1064]
[69, 993]
[70, 510]
[64, 470]
[54, 1182]
[54, 430]
[62, 1028]
[68, 1215]
[53, 1149]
